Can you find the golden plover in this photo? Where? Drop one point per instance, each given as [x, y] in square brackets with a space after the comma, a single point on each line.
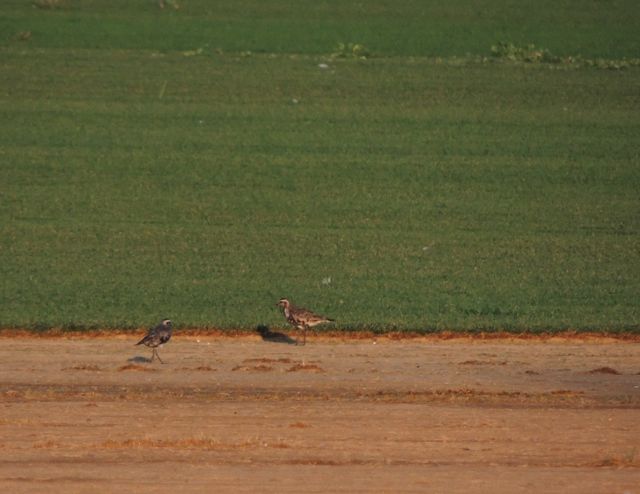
[301, 318]
[157, 336]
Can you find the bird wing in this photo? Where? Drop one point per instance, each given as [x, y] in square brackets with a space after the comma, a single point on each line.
[151, 335]
[165, 336]
[144, 340]
[308, 316]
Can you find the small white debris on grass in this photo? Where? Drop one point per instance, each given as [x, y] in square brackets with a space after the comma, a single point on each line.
[323, 66]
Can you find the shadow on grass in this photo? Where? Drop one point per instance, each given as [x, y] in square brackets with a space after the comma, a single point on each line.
[274, 336]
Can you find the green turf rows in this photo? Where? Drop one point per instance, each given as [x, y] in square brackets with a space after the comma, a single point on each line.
[591, 28]
[393, 192]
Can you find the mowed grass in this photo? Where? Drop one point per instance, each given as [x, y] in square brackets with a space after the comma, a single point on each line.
[592, 28]
[400, 192]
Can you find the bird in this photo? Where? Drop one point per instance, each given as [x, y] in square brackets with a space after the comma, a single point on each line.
[157, 336]
[301, 318]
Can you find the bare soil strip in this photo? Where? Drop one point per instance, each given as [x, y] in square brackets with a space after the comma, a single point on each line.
[338, 415]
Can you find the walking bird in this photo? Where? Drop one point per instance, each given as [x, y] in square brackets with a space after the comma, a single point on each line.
[301, 318]
[157, 336]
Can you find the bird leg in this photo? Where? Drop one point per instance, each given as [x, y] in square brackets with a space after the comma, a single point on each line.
[298, 335]
[158, 355]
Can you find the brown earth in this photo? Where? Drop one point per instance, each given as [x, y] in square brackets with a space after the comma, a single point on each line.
[90, 414]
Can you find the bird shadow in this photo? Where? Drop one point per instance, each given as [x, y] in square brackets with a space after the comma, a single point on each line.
[274, 336]
[139, 360]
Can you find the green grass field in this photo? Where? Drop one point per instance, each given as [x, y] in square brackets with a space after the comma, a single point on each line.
[201, 163]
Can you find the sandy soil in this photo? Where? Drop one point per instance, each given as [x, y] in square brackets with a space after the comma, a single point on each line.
[370, 415]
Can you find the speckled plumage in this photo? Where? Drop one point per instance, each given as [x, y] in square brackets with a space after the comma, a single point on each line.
[301, 318]
[157, 336]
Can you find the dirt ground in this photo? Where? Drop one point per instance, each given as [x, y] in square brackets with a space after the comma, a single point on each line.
[245, 415]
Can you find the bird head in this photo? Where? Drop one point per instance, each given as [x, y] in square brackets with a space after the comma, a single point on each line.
[283, 302]
[167, 323]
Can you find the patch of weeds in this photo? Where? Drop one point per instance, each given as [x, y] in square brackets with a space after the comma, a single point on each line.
[351, 50]
[193, 53]
[603, 63]
[529, 53]
[168, 3]
[50, 4]
[507, 51]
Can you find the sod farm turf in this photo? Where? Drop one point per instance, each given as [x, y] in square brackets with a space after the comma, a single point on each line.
[201, 163]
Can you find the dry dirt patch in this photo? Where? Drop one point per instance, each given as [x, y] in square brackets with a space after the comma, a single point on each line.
[361, 415]
[137, 368]
[604, 370]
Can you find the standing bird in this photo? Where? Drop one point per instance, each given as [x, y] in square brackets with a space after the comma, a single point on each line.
[157, 336]
[301, 318]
